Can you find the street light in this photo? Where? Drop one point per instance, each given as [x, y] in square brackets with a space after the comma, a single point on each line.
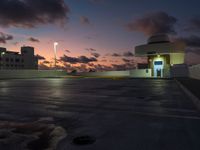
[55, 53]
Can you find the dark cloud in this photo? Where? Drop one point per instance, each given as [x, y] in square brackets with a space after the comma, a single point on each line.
[75, 60]
[39, 57]
[193, 57]
[193, 25]
[91, 49]
[153, 23]
[68, 51]
[46, 62]
[126, 60]
[43, 66]
[115, 55]
[5, 37]
[31, 13]
[32, 39]
[193, 50]
[128, 54]
[126, 66]
[96, 55]
[192, 46]
[84, 20]
[191, 41]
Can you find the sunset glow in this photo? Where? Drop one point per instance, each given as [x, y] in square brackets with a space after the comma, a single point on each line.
[98, 33]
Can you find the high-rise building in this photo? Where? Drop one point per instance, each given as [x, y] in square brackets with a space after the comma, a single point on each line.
[14, 60]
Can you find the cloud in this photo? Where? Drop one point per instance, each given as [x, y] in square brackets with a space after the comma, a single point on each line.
[128, 54]
[191, 41]
[5, 37]
[96, 55]
[43, 66]
[75, 60]
[192, 48]
[192, 57]
[46, 62]
[125, 66]
[68, 51]
[193, 25]
[31, 13]
[126, 60]
[84, 20]
[32, 39]
[153, 23]
[39, 57]
[115, 55]
[91, 49]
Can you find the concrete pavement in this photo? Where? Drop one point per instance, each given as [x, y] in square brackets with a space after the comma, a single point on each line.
[123, 114]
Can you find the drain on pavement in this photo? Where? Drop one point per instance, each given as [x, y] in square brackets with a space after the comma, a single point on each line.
[84, 140]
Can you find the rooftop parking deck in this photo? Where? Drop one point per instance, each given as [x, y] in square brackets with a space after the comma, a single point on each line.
[120, 114]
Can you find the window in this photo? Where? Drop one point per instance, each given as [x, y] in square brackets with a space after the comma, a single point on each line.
[158, 63]
[17, 60]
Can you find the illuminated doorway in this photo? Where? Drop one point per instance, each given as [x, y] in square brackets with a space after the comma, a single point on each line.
[158, 69]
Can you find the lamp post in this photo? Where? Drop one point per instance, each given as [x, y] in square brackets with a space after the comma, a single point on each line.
[55, 53]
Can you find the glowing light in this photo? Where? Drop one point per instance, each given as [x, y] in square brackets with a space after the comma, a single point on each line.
[55, 52]
[158, 55]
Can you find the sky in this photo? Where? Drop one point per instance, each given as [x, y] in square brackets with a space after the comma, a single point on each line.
[97, 34]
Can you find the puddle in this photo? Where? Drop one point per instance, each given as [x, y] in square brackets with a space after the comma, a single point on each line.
[84, 140]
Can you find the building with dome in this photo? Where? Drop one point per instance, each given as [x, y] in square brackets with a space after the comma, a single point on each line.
[162, 54]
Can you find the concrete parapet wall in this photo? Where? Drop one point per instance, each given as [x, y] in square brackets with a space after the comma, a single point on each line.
[9, 74]
[179, 71]
[107, 74]
[137, 73]
[194, 71]
[141, 73]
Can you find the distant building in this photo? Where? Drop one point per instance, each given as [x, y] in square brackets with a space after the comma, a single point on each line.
[162, 54]
[13, 60]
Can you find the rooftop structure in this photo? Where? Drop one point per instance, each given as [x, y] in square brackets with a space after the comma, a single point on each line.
[162, 54]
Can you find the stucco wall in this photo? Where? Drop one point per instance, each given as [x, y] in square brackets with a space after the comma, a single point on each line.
[177, 58]
[9, 74]
[194, 71]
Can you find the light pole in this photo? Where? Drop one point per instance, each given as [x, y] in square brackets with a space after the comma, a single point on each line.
[55, 53]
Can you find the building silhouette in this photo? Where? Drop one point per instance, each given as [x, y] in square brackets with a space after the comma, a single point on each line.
[10, 60]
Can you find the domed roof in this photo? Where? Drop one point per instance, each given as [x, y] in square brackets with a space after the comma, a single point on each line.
[160, 38]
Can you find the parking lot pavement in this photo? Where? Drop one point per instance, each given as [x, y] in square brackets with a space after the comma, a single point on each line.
[96, 114]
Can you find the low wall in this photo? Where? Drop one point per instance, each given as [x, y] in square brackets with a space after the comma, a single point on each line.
[141, 73]
[137, 73]
[17, 74]
[194, 71]
[107, 74]
[179, 71]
